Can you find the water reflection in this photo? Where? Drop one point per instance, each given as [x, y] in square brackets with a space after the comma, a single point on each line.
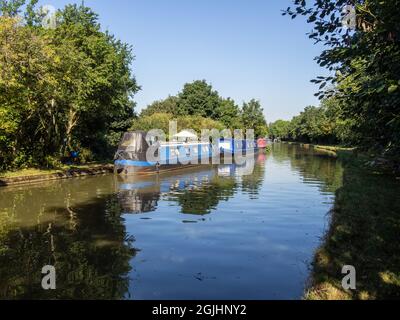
[197, 190]
[113, 238]
[311, 164]
[86, 242]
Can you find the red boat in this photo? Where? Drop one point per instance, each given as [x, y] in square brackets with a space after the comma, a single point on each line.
[262, 143]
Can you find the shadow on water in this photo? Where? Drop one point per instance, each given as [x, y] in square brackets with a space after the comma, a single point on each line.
[364, 233]
[85, 240]
[86, 228]
[85, 237]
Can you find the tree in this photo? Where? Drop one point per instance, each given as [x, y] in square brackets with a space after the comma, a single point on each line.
[228, 112]
[253, 118]
[342, 127]
[103, 104]
[161, 121]
[26, 84]
[64, 88]
[322, 124]
[198, 98]
[279, 129]
[158, 121]
[11, 8]
[366, 65]
[312, 125]
[168, 105]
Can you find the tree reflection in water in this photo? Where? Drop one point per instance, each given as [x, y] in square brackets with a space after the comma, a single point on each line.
[79, 225]
[85, 241]
[311, 164]
[197, 191]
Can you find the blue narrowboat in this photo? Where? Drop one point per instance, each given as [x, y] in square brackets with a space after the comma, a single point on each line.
[132, 154]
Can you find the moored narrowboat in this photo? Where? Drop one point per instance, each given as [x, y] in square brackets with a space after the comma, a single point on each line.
[262, 143]
[132, 154]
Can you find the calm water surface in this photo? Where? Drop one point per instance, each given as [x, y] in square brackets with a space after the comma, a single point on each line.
[203, 233]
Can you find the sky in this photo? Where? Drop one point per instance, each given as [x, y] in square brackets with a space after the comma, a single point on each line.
[245, 48]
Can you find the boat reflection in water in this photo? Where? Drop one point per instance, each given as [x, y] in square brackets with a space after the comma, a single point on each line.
[140, 194]
[141, 153]
[194, 233]
[205, 183]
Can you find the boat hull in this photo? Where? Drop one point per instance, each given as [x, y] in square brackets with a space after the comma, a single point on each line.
[173, 157]
[131, 168]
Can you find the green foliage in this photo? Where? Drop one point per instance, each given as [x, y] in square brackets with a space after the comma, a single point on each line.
[279, 129]
[158, 121]
[320, 125]
[364, 233]
[197, 123]
[11, 8]
[228, 113]
[161, 121]
[366, 67]
[312, 125]
[71, 88]
[86, 155]
[325, 124]
[253, 118]
[61, 89]
[200, 99]
[168, 105]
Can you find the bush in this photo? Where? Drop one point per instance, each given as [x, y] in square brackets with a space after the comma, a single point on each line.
[161, 121]
[51, 162]
[85, 155]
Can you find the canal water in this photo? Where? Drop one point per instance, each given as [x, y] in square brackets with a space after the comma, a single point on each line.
[202, 233]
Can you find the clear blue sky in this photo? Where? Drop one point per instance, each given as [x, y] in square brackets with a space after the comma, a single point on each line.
[244, 48]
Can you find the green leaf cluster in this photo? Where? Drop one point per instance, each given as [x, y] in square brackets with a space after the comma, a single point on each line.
[61, 89]
[198, 100]
[365, 67]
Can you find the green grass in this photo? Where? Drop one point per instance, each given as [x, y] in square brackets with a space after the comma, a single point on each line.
[37, 171]
[333, 148]
[365, 233]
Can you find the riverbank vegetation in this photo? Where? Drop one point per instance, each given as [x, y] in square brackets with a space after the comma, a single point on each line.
[64, 86]
[360, 107]
[365, 233]
[361, 96]
[317, 125]
[67, 88]
[199, 106]
[29, 172]
[364, 230]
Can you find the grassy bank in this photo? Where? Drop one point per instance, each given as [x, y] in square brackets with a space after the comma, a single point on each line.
[36, 175]
[29, 172]
[335, 149]
[332, 150]
[364, 233]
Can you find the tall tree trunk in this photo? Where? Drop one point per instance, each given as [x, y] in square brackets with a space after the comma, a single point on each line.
[71, 123]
